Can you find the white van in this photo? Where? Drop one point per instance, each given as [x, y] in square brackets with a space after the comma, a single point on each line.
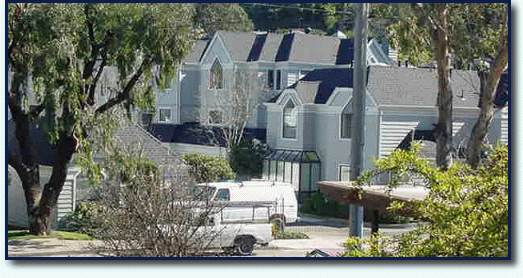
[252, 201]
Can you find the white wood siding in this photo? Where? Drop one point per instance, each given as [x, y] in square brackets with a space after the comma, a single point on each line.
[67, 198]
[456, 127]
[504, 125]
[292, 77]
[391, 134]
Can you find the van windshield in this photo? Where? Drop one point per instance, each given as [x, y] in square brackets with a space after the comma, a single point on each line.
[203, 193]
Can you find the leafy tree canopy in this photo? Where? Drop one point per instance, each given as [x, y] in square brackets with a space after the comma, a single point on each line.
[466, 211]
[206, 168]
[58, 53]
[221, 16]
[475, 29]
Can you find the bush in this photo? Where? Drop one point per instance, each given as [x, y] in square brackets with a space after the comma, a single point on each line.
[206, 168]
[247, 157]
[306, 207]
[278, 233]
[318, 200]
[83, 218]
[154, 220]
[291, 235]
[387, 217]
[148, 216]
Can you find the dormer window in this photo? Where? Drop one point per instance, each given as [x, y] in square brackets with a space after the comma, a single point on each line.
[289, 120]
[346, 122]
[216, 75]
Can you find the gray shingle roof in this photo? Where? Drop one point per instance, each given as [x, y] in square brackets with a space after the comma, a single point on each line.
[314, 49]
[238, 44]
[318, 85]
[134, 136]
[270, 47]
[307, 90]
[419, 87]
[196, 54]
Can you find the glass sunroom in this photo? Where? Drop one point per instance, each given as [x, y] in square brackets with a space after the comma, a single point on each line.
[300, 168]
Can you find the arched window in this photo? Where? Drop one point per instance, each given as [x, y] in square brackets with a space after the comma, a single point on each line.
[346, 122]
[216, 76]
[289, 120]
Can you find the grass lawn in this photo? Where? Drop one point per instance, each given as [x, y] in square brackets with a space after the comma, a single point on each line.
[24, 234]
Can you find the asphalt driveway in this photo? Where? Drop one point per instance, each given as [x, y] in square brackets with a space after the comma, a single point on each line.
[324, 233]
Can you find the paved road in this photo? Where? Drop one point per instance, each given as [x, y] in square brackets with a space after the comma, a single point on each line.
[325, 234]
[50, 247]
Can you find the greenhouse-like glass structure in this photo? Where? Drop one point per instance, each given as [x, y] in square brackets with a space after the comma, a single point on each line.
[300, 168]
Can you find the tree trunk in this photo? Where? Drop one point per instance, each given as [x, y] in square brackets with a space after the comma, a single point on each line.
[22, 150]
[27, 169]
[22, 156]
[488, 85]
[444, 102]
[480, 129]
[64, 152]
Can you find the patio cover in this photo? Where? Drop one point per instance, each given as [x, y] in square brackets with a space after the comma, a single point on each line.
[374, 196]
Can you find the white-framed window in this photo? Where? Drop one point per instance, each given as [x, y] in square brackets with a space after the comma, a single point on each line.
[289, 120]
[216, 75]
[147, 117]
[344, 173]
[270, 79]
[278, 80]
[223, 194]
[292, 77]
[164, 115]
[346, 122]
[274, 79]
[215, 117]
[346, 126]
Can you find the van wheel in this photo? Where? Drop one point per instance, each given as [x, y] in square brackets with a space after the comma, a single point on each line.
[244, 245]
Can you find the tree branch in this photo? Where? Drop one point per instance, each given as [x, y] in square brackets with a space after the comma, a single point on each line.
[92, 87]
[36, 110]
[497, 67]
[126, 93]
[14, 106]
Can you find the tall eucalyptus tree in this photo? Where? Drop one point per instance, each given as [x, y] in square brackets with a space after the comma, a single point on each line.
[64, 48]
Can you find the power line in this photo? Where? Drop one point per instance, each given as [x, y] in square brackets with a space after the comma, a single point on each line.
[298, 8]
[185, 24]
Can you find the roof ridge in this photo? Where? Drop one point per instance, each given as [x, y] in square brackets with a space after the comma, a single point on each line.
[169, 151]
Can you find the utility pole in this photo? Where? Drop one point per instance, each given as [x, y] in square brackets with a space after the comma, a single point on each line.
[359, 91]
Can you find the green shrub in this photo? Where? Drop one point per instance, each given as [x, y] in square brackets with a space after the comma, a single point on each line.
[387, 217]
[306, 207]
[342, 211]
[318, 200]
[329, 209]
[83, 219]
[246, 158]
[466, 210]
[291, 235]
[206, 168]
